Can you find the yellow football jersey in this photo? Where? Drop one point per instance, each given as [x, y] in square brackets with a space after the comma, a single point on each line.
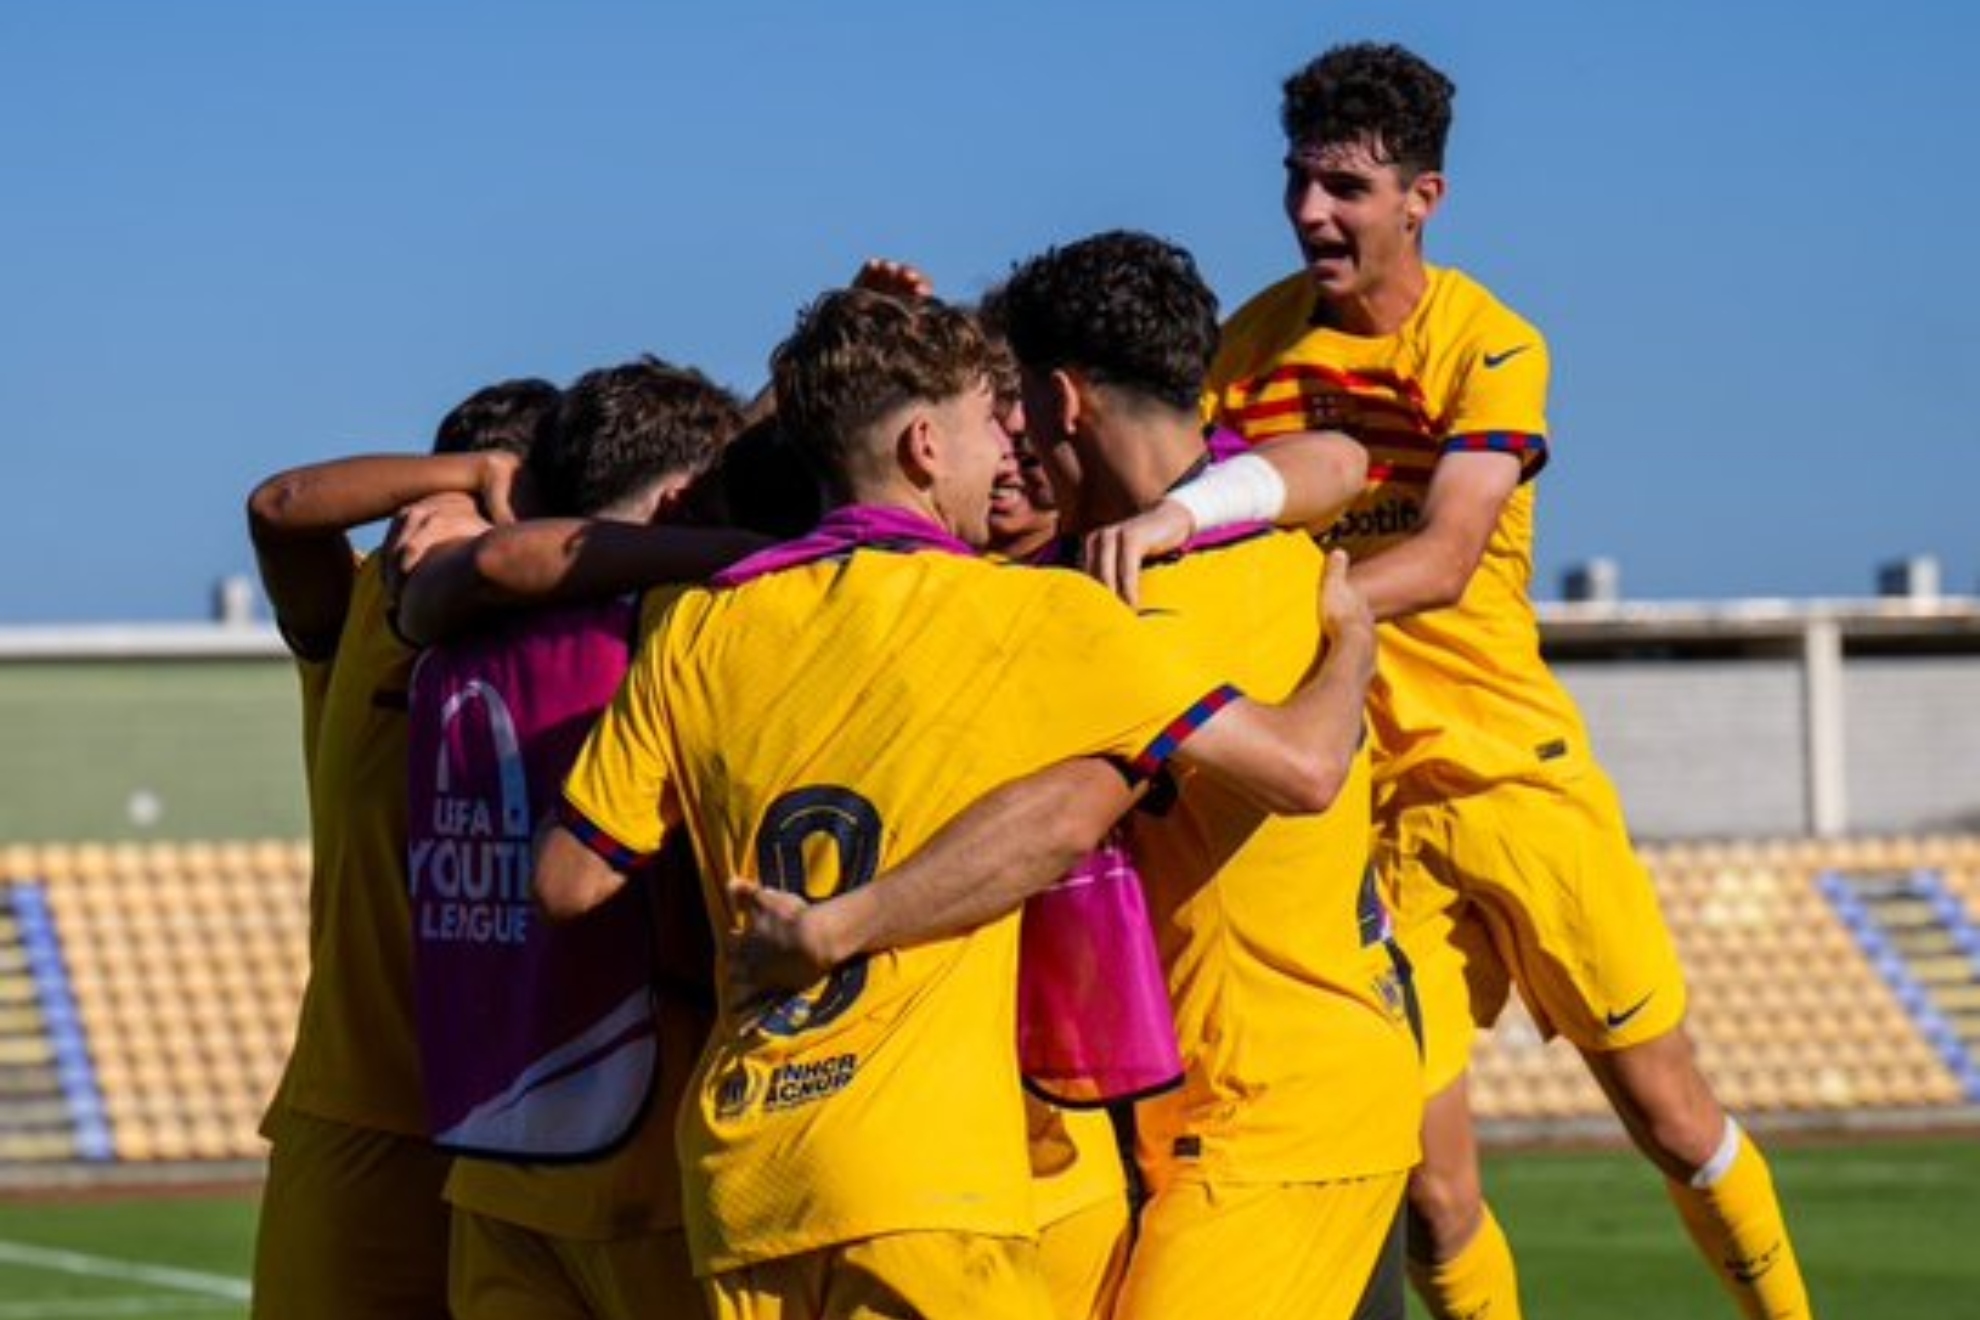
[1299, 1061]
[354, 1059]
[809, 728]
[1075, 1159]
[1462, 699]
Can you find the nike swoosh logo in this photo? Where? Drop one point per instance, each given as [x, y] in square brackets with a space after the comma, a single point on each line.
[1495, 360]
[1750, 1269]
[1618, 1020]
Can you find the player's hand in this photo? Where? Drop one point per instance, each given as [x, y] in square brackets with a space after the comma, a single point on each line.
[422, 528]
[1116, 553]
[497, 490]
[894, 277]
[1344, 610]
[776, 947]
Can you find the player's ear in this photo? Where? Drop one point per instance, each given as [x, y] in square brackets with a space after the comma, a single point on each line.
[1422, 197]
[917, 448]
[1068, 401]
[663, 500]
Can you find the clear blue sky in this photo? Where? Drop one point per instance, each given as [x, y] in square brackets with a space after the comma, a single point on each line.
[240, 236]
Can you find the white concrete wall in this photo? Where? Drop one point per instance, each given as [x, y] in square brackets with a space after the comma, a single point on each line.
[1912, 742]
[1699, 748]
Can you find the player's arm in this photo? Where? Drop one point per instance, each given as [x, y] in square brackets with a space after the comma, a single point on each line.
[299, 521]
[570, 878]
[1294, 758]
[425, 531]
[581, 864]
[1299, 480]
[618, 807]
[1495, 438]
[1323, 472]
[983, 864]
[1433, 566]
[1017, 840]
[557, 560]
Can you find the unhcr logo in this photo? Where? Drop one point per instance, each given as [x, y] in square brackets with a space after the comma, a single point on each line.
[794, 1084]
[1389, 518]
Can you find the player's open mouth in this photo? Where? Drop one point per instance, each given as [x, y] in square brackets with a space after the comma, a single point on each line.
[1326, 254]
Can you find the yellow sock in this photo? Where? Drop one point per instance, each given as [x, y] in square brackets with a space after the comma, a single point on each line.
[1735, 1219]
[1479, 1283]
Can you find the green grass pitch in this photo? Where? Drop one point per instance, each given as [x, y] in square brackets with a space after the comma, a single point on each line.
[1886, 1231]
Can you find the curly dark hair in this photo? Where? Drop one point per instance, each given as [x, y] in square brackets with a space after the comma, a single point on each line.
[1382, 94]
[760, 483]
[509, 416]
[857, 355]
[622, 428]
[1127, 309]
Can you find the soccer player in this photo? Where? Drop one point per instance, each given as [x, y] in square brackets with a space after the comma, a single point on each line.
[823, 710]
[1080, 1186]
[352, 1222]
[1277, 1171]
[597, 1234]
[1500, 840]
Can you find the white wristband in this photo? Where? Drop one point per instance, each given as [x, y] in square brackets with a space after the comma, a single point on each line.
[1237, 490]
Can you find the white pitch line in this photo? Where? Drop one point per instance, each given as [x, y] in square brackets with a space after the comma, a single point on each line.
[103, 1308]
[104, 1267]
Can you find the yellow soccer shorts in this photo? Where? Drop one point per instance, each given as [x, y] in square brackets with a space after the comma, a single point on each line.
[1277, 1251]
[352, 1224]
[1536, 886]
[1084, 1256]
[935, 1275]
[503, 1271]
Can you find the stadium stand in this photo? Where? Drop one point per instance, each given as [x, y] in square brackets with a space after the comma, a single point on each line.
[1917, 930]
[35, 1122]
[147, 992]
[1794, 1017]
[1810, 767]
[177, 970]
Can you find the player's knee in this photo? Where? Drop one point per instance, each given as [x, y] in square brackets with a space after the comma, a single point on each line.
[1684, 1132]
